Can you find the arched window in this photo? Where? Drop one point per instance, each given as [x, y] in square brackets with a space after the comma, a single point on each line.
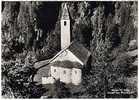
[75, 72]
[65, 23]
[54, 70]
[64, 72]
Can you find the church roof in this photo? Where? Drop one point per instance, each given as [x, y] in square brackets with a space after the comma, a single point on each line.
[79, 51]
[65, 13]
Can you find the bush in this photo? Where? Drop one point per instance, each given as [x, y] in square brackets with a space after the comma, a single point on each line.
[19, 80]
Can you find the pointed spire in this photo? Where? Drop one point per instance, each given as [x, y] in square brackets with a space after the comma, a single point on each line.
[65, 13]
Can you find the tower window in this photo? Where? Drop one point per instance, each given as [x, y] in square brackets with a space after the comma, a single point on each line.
[65, 23]
[54, 70]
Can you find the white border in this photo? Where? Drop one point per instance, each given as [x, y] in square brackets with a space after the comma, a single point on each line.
[69, 0]
[63, 0]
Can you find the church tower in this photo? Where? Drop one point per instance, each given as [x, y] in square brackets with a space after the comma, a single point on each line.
[65, 27]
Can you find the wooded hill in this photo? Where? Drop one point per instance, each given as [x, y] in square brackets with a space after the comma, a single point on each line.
[31, 32]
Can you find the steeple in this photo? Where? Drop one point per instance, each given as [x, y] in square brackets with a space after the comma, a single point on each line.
[65, 13]
[65, 27]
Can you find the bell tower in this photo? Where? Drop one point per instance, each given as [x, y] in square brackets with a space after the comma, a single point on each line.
[65, 27]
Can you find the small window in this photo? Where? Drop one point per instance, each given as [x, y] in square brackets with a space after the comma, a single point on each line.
[64, 72]
[75, 72]
[65, 23]
[54, 70]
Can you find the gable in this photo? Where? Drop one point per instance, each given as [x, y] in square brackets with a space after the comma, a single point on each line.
[66, 64]
[69, 56]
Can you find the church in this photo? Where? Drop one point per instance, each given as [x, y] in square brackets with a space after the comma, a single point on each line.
[67, 65]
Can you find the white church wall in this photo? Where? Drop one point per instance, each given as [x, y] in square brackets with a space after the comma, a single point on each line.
[55, 72]
[48, 80]
[76, 76]
[65, 75]
[65, 33]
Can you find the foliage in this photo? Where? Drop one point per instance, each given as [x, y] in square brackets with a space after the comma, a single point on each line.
[11, 48]
[18, 78]
[57, 90]
[61, 91]
[105, 28]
